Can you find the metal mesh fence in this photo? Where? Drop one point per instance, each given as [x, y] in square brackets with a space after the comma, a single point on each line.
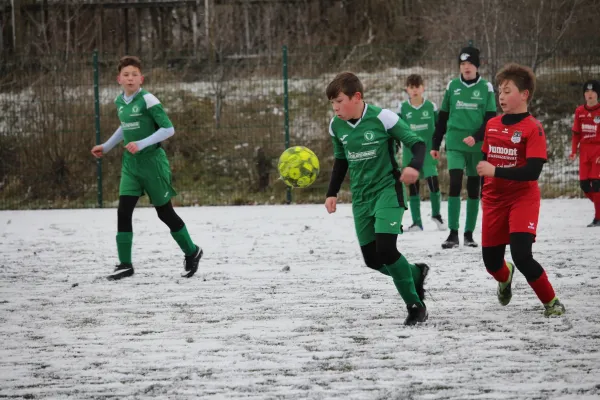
[229, 116]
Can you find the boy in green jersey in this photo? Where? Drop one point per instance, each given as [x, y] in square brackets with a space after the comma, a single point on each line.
[364, 141]
[144, 124]
[468, 104]
[421, 115]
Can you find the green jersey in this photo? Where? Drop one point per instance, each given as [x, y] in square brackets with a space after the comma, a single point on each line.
[421, 119]
[141, 117]
[369, 146]
[467, 105]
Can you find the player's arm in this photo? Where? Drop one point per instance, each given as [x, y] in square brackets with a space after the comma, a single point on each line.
[535, 153]
[576, 138]
[400, 131]
[490, 112]
[114, 140]
[442, 120]
[340, 166]
[165, 127]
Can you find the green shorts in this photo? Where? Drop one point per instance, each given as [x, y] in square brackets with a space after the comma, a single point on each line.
[147, 173]
[377, 213]
[429, 165]
[462, 159]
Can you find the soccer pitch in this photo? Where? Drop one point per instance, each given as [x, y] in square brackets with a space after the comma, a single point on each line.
[283, 308]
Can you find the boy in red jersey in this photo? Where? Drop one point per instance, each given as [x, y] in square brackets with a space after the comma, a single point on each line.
[514, 148]
[586, 136]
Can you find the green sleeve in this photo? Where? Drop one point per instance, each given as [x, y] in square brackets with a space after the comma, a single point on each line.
[446, 101]
[491, 100]
[398, 129]
[338, 147]
[160, 116]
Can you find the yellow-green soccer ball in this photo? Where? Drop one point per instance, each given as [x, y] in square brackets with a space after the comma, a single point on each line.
[298, 166]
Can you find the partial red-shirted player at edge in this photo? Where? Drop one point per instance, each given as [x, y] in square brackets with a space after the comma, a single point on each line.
[514, 150]
[586, 137]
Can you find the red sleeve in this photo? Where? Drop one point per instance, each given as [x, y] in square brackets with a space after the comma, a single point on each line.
[536, 142]
[484, 147]
[576, 123]
[575, 142]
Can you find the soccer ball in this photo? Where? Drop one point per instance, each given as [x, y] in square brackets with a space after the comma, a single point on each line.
[298, 166]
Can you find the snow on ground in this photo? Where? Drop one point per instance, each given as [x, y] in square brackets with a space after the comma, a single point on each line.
[243, 328]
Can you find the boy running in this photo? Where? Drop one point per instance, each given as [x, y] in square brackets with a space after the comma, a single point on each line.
[515, 150]
[468, 104]
[364, 139]
[586, 136]
[144, 124]
[420, 115]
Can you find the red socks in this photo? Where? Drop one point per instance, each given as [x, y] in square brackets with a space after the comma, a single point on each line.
[543, 289]
[502, 274]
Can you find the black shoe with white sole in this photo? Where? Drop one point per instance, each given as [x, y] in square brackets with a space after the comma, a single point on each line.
[469, 240]
[121, 271]
[190, 263]
[452, 240]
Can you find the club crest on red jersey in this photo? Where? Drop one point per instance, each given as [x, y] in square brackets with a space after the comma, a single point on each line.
[516, 137]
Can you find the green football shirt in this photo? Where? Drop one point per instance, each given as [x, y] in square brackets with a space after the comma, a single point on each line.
[467, 105]
[141, 117]
[420, 119]
[369, 146]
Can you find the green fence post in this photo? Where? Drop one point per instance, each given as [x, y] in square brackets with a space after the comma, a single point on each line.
[286, 113]
[97, 123]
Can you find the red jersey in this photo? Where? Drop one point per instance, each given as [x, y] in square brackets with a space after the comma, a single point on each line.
[508, 146]
[587, 124]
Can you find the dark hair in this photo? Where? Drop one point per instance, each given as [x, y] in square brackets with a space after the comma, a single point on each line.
[127, 61]
[523, 78]
[414, 80]
[345, 82]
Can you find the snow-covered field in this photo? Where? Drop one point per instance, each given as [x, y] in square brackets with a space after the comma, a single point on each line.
[283, 308]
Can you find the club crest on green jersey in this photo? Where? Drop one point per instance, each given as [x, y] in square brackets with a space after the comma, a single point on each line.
[425, 114]
[369, 135]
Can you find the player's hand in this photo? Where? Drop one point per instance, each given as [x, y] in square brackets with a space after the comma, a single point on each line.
[98, 151]
[409, 175]
[469, 141]
[132, 147]
[435, 154]
[331, 204]
[572, 156]
[484, 168]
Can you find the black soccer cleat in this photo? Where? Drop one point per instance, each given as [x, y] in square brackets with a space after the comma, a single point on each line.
[420, 285]
[452, 240]
[595, 223]
[468, 237]
[190, 263]
[121, 271]
[416, 314]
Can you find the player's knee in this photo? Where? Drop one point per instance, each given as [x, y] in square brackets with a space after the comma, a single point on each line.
[434, 184]
[456, 176]
[369, 252]
[595, 185]
[473, 187]
[167, 214]
[387, 255]
[585, 185]
[493, 258]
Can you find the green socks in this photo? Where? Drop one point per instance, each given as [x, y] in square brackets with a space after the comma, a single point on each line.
[415, 209]
[124, 244]
[403, 272]
[472, 211]
[453, 213]
[183, 239]
[436, 200]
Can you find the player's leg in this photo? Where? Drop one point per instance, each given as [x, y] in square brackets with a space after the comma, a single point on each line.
[364, 225]
[595, 184]
[585, 168]
[494, 238]
[156, 174]
[586, 187]
[523, 222]
[408, 278]
[130, 189]
[435, 197]
[473, 195]
[456, 165]
[415, 207]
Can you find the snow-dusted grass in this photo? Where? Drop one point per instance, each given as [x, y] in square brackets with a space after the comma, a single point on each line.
[245, 328]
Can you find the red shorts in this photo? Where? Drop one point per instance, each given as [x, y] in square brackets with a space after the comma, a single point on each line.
[500, 220]
[589, 162]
